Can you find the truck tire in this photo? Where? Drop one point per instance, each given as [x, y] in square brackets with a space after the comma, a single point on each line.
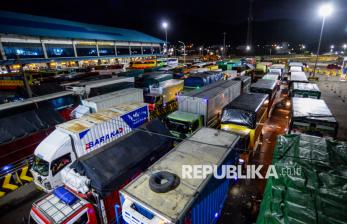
[163, 181]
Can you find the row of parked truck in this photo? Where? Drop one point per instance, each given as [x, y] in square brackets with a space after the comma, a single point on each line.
[92, 184]
[113, 142]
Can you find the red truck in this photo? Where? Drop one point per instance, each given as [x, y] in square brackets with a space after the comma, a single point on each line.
[92, 183]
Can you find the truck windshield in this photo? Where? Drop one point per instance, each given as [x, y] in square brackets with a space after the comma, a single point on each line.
[150, 99]
[179, 126]
[40, 166]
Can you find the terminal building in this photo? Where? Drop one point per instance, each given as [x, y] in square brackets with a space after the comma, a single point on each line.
[26, 39]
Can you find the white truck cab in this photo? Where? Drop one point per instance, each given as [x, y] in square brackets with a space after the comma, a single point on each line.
[78, 137]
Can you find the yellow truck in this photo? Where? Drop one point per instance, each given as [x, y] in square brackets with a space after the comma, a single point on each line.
[246, 116]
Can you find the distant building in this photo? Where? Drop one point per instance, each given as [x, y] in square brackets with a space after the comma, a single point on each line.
[34, 39]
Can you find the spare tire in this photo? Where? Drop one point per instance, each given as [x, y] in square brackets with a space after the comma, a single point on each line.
[163, 181]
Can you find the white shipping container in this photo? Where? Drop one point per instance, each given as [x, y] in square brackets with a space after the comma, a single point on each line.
[125, 96]
[210, 100]
[168, 89]
[95, 130]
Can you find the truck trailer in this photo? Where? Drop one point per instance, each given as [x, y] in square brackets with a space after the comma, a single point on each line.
[202, 107]
[92, 183]
[78, 137]
[125, 96]
[163, 93]
[98, 87]
[269, 87]
[297, 77]
[163, 195]
[199, 80]
[246, 116]
[313, 117]
[305, 90]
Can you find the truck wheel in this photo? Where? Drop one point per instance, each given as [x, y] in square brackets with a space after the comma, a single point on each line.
[163, 181]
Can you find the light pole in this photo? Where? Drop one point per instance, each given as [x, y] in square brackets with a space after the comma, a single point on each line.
[184, 51]
[200, 49]
[344, 47]
[324, 11]
[165, 25]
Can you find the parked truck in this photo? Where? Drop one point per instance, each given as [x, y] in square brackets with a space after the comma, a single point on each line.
[163, 93]
[202, 107]
[153, 78]
[269, 87]
[99, 87]
[101, 102]
[278, 69]
[92, 183]
[313, 117]
[78, 137]
[305, 90]
[246, 116]
[245, 83]
[297, 77]
[199, 80]
[163, 194]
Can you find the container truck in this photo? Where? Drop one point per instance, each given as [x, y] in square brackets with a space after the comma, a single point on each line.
[313, 117]
[202, 107]
[125, 96]
[297, 77]
[199, 80]
[163, 194]
[261, 69]
[295, 67]
[78, 137]
[245, 83]
[305, 90]
[279, 69]
[98, 87]
[163, 93]
[92, 183]
[154, 78]
[268, 87]
[273, 76]
[246, 116]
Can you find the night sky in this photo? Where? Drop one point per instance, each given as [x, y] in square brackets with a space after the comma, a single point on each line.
[202, 22]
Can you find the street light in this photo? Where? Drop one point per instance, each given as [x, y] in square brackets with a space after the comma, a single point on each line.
[344, 47]
[324, 11]
[165, 26]
[200, 49]
[184, 51]
[248, 48]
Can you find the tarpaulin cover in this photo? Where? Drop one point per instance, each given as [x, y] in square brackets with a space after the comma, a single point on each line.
[311, 109]
[317, 193]
[110, 88]
[25, 123]
[108, 167]
[243, 110]
[306, 89]
[264, 86]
